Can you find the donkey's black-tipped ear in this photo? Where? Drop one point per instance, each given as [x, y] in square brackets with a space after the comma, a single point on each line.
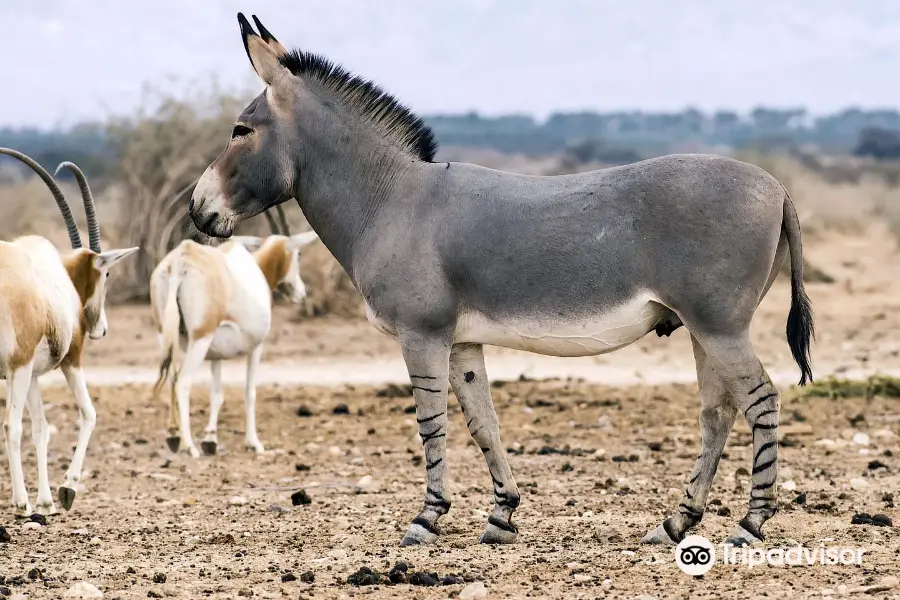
[268, 38]
[263, 57]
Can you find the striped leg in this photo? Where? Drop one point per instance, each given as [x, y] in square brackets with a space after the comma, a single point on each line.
[757, 398]
[761, 409]
[427, 360]
[470, 383]
[717, 414]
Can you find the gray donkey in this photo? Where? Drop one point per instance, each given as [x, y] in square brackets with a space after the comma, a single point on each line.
[452, 256]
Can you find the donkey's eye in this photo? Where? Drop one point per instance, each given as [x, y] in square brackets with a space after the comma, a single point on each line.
[240, 131]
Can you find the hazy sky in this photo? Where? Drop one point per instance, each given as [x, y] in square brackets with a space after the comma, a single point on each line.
[68, 60]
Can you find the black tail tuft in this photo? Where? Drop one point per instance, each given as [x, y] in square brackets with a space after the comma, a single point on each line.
[164, 367]
[800, 329]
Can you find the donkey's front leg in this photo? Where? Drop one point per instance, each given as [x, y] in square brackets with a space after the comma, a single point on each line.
[469, 380]
[427, 359]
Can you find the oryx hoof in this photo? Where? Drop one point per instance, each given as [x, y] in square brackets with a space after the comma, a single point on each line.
[498, 532]
[659, 536]
[66, 497]
[209, 447]
[173, 442]
[420, 532]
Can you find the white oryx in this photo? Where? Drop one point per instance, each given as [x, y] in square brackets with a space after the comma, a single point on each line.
[48, 303]
[215, 303]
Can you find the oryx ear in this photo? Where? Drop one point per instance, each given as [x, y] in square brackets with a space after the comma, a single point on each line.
[250, 242]
[111, 257]
[268, 38]
[298, 240]
[262, 55]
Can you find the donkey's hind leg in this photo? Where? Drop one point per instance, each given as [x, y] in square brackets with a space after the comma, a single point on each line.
[717, 414]
[757, 399]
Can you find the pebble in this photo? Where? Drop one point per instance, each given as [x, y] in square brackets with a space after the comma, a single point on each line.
[475, 589]
[826, 442]
[95, 541]
[83, 589]
[334, 451]
[79, 532]
[581, 577]
[237, 501]
[366, 483]
[858, 483]
[860, 439]
[337, 553]
[31, 525]
[4, 535]
[789, 486]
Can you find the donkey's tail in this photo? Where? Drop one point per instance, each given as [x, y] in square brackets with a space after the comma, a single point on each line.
[800, 328]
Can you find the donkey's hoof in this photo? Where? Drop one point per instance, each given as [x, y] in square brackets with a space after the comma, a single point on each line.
[66, 497]
[173, 442]
[498, 532]
[209, 447]
[659, 536]
[418, 535]
[741, 537]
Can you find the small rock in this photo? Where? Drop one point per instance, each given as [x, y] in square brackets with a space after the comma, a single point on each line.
[451, 580]
[882, 520]
[80, 532]
[301, 467]
[475, 589]
[34, 574]
[245, 592]
[39, 519]
[334, 451]
[876, 464]
[826, 442]
[789, 486]
[860, 439]
[423, 579]
[858, 483]
[337, 553]
[307, 577]
[800, 499]
[154, 594]
[237, 501]
[83, 589]
[4, 536]
[286, 577]
[366, 483]
[581, 577]
[131, 570]
[304, 411]
[300, 497]
[861, 519]
[341, 409]
[31, 525]
[159, 578]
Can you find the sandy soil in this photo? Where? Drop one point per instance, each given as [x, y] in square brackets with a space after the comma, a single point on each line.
[598, 466]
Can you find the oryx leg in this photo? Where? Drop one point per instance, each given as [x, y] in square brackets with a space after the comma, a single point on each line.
[17, 385]
[717, 414]
[210, 442]
[427, 360]
[184, 377]
[40, 435]
[86, 422]
[470, 383]
[251, 440]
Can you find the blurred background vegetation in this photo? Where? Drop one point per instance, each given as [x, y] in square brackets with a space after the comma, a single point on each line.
[843, 170]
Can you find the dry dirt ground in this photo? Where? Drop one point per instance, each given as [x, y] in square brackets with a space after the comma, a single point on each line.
[597, 465]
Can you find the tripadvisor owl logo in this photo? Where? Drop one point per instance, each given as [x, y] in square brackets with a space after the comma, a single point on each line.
[695, 555]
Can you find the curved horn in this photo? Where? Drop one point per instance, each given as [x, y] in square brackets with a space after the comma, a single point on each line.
[71, 227]
[285, 228]
[88, 199]
[273, 225]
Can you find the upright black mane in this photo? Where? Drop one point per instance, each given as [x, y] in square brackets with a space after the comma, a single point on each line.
[384, 111]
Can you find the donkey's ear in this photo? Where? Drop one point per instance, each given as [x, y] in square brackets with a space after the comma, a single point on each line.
[298, 240]
[263, 56]
[268, 38]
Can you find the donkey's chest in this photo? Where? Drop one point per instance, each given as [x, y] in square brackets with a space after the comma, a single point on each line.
[586, 334]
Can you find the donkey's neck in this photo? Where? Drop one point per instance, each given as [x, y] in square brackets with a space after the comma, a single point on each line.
[347, 183]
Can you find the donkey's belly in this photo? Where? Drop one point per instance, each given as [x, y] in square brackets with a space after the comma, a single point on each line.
[565, 335]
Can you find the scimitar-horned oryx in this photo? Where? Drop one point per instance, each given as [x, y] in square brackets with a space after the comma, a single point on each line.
[451, 256]
[48, 303]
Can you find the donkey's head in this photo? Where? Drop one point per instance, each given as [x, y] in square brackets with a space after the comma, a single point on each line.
[278, 257]
[257, 169]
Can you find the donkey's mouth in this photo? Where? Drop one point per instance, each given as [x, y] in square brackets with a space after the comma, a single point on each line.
[212, 224]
